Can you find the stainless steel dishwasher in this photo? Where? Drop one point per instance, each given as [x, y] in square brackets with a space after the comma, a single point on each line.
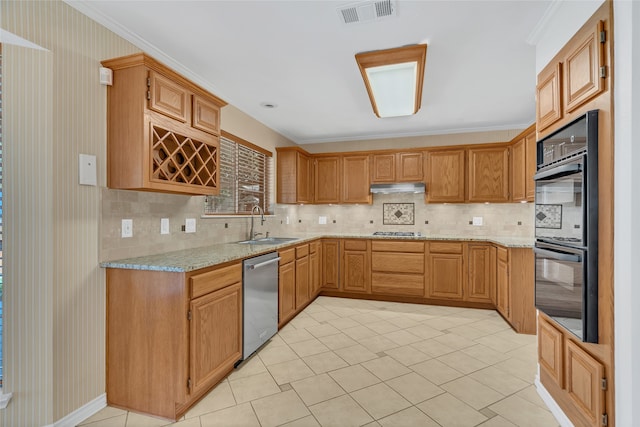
[260, 298]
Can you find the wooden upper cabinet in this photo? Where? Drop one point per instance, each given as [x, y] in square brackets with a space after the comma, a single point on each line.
[294, 177]
[397, 167]
[355, 179]
[548, 96]
[206, 115]
[327, 179]
[518, 162]
[383, 168]
[582, 63]
[488, 176]
[445, 171]
[531, 165]
[584, 376]
[168, 97]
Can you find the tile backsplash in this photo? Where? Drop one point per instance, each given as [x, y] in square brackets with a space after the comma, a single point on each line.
[146, 209]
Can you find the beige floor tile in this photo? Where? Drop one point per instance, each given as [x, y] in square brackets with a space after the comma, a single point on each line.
[337, 341]
[485, 354]
[273, 355]
[523, 413]
[359, 332]
[138, 420]
[343, 323]
[410, 417]
[287, 372]
[403, 322]
[472, 392]
[462, 362]
[380, 400]
[521, 339]
[253, 387]
[354, 378]
[402, 337]
[531, 394]
[324, 362]
[104, 414]
[323, 330]
[415, 388]
[440, 323]
[386, 368]
[498, 343]
[500, 381]
[236, 416]
[323, 316]
[302, 323]
[519, 368]
[491, 325]
[497, 421]
[407, 355]
[317, 389]
[448, 411]
[355, 354]
[191, 422]
[343, 312]
[295, 335]
[433, 348]
[308, 347]
[340, 411]
[382, 327]
[378, 343]
[423, 331]
[468, 331]
[308, 421]
[279, 409]
[117, 421]
[219, 398]
[249, 367]
[527, 353]
[372, 424]
[315, 308]
[436, 371]
[454, 341]
[365, 318]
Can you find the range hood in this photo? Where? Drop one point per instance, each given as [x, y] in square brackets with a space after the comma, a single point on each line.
[398, 187]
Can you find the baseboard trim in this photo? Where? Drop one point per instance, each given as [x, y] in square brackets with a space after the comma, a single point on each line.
[553, 406]
[82, 413]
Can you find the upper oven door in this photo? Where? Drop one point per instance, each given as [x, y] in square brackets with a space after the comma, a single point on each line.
[560, 214]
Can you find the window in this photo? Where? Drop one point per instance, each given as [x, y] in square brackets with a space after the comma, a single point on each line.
[245, 178]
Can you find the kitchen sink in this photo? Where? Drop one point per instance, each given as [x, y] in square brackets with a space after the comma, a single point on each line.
[268, 241]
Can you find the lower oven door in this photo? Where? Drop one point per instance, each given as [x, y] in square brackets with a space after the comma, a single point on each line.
[561, 289]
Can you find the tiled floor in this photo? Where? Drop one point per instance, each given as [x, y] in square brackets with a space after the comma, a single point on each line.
[345, 362]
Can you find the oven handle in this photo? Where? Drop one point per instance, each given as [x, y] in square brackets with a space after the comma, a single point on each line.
[559, 171]
[558, 255]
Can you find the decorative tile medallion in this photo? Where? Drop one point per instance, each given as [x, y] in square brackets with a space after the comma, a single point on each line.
[398, 213]
[548, 216]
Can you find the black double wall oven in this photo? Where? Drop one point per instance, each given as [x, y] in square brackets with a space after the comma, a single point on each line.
[566, 218]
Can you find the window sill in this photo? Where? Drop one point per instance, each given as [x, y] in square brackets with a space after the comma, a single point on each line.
[5, 398]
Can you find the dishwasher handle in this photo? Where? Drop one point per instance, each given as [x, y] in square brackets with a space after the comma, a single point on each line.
[262, 264]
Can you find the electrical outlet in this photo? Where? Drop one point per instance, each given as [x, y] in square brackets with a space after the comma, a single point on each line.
[190, 225]
[127, 228]
[477, 220]
[164, 226]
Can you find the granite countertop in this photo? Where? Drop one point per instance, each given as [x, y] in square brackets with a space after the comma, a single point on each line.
[196, 258]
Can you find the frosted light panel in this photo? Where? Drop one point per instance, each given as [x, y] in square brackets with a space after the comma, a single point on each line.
[394, 88]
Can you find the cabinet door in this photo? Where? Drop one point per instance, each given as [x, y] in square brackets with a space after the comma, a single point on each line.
[216, 335]
[383, 168]
[530, 165]
[304, 179]
[582, 64]
[482, 273]
[409, 167]
[206, 115]
[489, 174]
[518, 172]
[356, 273]
[314, 274]
[550, 351]
[584, 376]
[445, 276]
[167, 97]
[445, 176]
[286, 291]
[502, 284]
[355, 179]
[548, 97]
[330, 264]
[302, 281]
[327, 180]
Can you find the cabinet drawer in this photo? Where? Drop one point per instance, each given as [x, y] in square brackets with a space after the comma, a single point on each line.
[503, 254]
[355, 245]
[314, 247]
[302, 251]
[397, 262]
[287, 255]
[204, 283]
[445, 247]
[386, 246]
[397, 284]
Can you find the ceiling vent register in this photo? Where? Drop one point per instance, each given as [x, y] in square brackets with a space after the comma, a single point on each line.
[367, 11]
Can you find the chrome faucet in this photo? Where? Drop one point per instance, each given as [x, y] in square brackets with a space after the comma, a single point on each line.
[252, 233]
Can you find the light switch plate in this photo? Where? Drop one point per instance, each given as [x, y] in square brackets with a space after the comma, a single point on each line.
[190, 225]
[127, 228]
[322, 220]
[164, 226]
[87, 169]
[477, 220]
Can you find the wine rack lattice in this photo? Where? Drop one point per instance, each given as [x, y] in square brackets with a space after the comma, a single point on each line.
[182, 159]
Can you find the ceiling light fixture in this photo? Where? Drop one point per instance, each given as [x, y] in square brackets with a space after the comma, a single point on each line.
[393, 78]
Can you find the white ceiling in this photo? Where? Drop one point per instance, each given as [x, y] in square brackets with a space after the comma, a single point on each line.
[480, 70]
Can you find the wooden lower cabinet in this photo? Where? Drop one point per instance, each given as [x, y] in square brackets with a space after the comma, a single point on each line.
[515, 294]
[551, 351]
[302, 276]
[356, 273]
[481, 273]
[171, 336]
[330, 253]
[584, 377]
[286, 285]
[445, 278]
[315, 268]
[397, 268]
[503, 299]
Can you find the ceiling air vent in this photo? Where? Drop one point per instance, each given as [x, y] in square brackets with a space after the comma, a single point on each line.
[367, 11]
